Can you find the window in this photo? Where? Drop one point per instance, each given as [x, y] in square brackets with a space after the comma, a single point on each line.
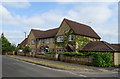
[28, 42]
[47, 41]
[59, 50]
[90, 39]
[33, 50]
[33, 41]
[43, 41]
[71, 37]
[60, 39]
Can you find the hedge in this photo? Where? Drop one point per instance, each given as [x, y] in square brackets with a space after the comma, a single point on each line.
[52, 52]
[100, 59]
[74, 54]
[103, 59]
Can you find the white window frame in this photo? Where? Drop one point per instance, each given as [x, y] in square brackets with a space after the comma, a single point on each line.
[90, 39]
[47, 41]
[60, 39]
[71, 37]
[33, 41]
[33, 50]
[43, 41]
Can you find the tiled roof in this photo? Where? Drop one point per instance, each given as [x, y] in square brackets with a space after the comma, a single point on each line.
[82, 29]
[24, 42]
[78, 28]
[44, 34]
[115, 46]
[100, 46]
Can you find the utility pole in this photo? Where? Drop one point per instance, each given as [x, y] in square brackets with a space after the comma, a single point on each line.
[25, 34]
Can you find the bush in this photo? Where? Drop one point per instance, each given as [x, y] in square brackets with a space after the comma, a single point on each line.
[102, 59]
[51, 52]
[73, 54]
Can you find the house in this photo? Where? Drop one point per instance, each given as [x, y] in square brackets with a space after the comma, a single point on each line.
[70, 36]
[74, 35]
[23, 43]
[42, 41]
[102, 46]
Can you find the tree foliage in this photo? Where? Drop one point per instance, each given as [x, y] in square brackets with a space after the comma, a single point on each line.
[26, 49]
[103, 59]
[6, 45]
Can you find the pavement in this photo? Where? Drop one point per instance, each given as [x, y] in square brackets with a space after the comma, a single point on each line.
[50, 68]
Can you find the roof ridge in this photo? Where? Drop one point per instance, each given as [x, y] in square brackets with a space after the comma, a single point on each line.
[36, 30]
[51, 29]
[107, 44]
[77, 22]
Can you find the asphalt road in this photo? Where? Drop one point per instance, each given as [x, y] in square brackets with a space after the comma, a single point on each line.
[16, 68]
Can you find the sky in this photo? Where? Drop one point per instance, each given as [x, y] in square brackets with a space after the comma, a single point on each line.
[20, 17]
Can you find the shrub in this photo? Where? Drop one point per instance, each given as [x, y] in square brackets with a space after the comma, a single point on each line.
[102, 59]
[51, 52]
[73, 54]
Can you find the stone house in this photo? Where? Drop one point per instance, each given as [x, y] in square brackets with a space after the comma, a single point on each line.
[24, 42]
[102, 46]
[70, 36]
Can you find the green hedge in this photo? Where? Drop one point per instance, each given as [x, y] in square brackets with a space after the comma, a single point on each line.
[103, 59]
[100, 59]
[52, 52]
[73, 54]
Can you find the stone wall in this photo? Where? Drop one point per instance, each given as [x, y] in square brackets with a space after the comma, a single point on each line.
[84, 60]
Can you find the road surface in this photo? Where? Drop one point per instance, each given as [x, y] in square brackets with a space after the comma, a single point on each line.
[17, 68]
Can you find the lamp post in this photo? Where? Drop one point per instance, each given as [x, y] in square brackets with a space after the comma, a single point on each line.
[25, 34]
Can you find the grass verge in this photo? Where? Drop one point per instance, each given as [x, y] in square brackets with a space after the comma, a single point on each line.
[50, 64]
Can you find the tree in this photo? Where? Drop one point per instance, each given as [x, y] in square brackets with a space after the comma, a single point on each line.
[6, 45]
[26, 50]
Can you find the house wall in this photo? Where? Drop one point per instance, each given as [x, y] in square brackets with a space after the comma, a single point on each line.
[30, 38]
[80, 41]
[116, 58]
[51, 45]
[63, 28]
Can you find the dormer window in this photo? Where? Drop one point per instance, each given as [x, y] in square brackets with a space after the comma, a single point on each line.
[60, 39]
[71, 37]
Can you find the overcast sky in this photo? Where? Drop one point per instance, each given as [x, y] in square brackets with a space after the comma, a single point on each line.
[20, 17]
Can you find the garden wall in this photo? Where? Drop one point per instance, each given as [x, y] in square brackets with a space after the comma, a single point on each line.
[84, 60]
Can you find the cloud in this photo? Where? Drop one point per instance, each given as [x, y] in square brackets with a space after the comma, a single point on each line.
[94, 14]
[11, 32]
[17, 4]
[60, 0]
[98, 16]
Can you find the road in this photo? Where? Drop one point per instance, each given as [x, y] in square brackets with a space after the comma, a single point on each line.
[17, 68]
